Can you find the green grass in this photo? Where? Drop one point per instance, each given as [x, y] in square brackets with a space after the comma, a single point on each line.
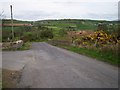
[97, 54]
[9, 28]
[26, 46]
[87, 26]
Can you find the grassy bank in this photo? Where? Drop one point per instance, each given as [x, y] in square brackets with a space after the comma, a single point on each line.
[26, 46]
[108, 56]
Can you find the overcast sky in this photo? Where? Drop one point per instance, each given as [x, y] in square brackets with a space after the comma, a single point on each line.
[61, 9]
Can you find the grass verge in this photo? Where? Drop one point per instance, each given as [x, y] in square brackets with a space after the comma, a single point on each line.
[26, 46]
[108, 56]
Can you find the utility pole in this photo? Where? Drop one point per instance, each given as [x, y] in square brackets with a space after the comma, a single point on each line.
[12, 22]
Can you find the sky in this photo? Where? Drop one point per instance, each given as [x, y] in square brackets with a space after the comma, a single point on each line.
[60, 9]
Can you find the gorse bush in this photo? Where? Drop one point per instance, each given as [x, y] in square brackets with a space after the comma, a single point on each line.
[99, 40]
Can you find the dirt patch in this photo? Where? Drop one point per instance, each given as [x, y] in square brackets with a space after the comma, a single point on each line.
[80, 33]
[10, 78]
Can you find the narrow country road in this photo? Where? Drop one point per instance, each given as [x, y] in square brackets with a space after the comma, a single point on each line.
[52, 67]
[47, 66]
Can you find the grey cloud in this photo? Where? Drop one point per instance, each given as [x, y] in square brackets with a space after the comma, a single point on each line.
[33, 15]
[107, 16]
[61, 9]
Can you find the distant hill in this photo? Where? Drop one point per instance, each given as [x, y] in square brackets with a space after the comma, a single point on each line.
[8, 21]
[80, 24]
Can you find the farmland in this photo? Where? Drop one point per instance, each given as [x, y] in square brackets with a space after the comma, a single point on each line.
[63, 24]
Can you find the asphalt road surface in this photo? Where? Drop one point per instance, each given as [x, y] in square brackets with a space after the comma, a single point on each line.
[47, 66]
[16, 60]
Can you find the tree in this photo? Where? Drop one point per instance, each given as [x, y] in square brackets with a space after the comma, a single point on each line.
[46, 34]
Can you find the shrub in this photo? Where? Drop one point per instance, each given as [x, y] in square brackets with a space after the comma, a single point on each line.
[46, 34]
